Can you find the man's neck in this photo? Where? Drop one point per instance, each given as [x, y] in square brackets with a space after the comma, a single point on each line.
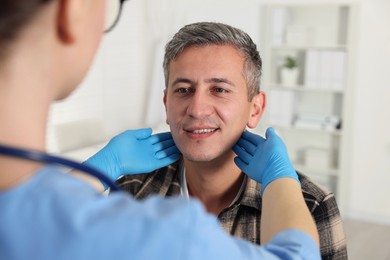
[215, 183]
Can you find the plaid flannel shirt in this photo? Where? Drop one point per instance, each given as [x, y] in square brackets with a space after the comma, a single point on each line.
[242, 218]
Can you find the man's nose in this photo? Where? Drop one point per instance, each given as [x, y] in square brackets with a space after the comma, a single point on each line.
[200, 105]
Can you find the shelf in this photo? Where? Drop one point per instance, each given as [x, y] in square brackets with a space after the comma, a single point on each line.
[318, 37]
[301, 129]
[304, 88]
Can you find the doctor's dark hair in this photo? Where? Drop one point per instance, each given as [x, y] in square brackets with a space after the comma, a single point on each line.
[211, 33]
[14, 15]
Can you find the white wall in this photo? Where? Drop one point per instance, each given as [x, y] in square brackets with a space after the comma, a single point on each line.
[369, 178]
[122, 80]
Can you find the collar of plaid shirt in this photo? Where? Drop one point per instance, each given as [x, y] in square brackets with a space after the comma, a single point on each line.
[247, 200]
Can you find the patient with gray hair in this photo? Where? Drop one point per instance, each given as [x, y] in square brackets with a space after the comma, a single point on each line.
[212, 95]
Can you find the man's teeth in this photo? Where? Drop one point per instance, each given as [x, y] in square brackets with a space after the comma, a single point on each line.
[202, 131]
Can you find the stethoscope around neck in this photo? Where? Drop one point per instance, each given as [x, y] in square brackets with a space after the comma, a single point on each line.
[38, 156]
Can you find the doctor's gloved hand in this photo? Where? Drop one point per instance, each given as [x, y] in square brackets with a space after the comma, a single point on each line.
[134, 152]
[263, 159]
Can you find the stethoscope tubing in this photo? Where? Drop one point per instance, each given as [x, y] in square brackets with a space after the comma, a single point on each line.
[39, 156]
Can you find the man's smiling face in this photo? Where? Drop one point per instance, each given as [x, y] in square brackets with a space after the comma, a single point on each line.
[206, 101]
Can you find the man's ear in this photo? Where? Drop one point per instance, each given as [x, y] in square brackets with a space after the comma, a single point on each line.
[69, 15]
[257, 108]
[165, 105]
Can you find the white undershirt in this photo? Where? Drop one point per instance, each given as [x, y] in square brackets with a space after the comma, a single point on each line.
[184, 187]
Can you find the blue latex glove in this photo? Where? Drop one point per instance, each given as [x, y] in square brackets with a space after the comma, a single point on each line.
[134, 152]
[264, 160]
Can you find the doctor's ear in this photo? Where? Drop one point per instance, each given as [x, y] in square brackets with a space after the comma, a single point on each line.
[257, 109]
[69, 17]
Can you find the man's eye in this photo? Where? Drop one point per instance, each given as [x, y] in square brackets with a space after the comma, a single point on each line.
[183, 90]
[220, 90]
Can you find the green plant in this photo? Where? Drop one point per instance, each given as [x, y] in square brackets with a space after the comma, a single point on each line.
[290, 62]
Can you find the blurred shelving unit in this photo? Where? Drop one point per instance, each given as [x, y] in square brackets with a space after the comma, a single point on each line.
[311, 112]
